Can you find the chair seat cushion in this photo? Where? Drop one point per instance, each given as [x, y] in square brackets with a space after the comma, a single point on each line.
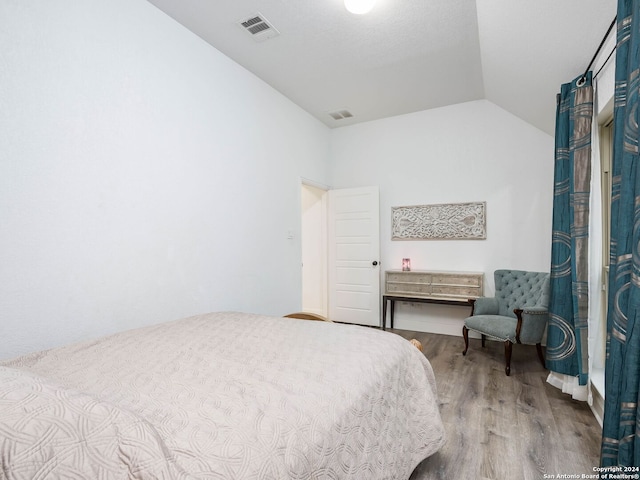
[497, 326]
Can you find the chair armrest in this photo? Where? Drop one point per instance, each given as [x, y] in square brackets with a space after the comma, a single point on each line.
[484, 306]
[532, 322]
[535, 310]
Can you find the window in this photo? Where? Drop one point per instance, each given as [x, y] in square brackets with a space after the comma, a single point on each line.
[606, 157]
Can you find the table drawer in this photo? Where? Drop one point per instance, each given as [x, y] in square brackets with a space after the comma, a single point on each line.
[455, 291]
[409, 277]
[408, 289]
[448, 279]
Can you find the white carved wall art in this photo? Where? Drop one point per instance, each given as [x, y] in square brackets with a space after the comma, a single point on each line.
[447, 221]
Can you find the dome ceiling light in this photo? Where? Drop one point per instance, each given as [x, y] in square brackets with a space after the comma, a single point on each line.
[359, 7]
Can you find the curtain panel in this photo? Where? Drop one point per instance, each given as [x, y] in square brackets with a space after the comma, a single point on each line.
[567, 335]
[620, 444]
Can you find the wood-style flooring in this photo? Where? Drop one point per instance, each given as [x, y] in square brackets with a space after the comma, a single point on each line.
[499, 427]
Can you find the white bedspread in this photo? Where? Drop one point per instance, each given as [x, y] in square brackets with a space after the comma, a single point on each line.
[221, 396]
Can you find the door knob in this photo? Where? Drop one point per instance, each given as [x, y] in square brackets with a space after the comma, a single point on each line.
[375, 262]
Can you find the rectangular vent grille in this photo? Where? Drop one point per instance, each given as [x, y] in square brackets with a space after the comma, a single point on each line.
[341, 114]
[259, 27]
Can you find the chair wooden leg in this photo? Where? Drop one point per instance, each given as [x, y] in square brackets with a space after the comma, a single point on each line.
[540, 355]
[507, 356]
[465, 334]
[484, 339]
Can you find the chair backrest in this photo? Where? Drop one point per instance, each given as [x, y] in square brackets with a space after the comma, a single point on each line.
[519, 289]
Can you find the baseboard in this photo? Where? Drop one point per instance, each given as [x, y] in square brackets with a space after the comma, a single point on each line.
[431, 318]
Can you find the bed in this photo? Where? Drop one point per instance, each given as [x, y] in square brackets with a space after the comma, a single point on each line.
[223, 395]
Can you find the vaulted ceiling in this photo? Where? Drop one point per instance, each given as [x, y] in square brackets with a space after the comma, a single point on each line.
[407, 55]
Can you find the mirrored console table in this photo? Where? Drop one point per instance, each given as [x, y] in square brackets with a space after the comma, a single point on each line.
[424, 286]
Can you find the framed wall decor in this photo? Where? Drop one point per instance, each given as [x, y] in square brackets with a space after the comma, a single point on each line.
[446, 221]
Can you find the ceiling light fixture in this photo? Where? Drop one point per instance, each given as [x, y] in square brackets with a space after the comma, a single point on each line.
[359, 7]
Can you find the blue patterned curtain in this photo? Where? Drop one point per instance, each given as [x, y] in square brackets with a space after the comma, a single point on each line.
[567, 350]
[620, 445]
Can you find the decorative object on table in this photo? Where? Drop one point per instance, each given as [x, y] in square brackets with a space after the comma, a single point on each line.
[406, 264]
[447, 221]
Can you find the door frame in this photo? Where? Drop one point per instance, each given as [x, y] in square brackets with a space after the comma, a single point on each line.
[319, 272]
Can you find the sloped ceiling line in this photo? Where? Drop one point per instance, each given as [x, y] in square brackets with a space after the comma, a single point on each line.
[408, 55]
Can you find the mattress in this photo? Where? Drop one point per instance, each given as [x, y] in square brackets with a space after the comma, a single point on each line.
[224, 395]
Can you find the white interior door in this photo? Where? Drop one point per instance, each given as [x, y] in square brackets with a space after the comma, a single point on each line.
[354, 249]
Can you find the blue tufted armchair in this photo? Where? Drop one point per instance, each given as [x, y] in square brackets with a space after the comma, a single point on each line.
[517, 314]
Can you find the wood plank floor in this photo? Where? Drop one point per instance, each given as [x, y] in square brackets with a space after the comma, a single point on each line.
[499, 427]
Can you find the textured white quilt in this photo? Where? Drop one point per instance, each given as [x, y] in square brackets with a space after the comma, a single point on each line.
[221, 396]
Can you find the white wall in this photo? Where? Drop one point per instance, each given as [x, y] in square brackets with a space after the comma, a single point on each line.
[469, 152]
[314, 250]
[143, 175]
[605, 81]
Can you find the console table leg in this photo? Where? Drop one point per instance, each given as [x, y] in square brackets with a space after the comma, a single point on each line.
[384, 313]
[393, 304]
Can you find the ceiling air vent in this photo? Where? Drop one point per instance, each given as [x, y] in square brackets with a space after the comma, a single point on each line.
[258, 27]
[341, 114]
